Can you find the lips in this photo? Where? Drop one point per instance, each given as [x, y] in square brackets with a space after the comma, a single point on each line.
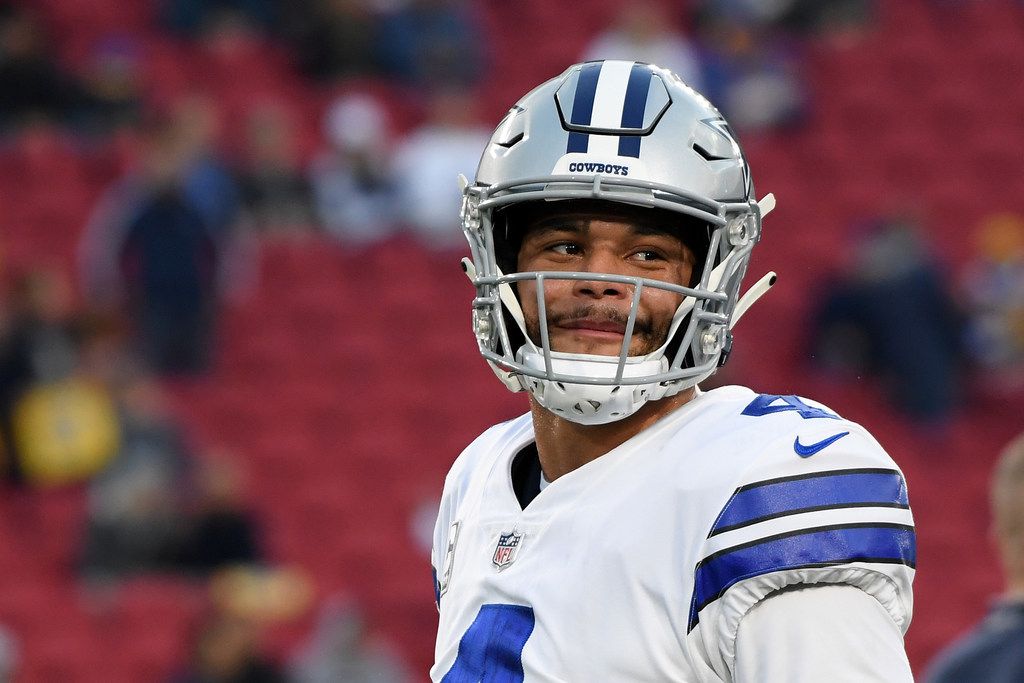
[594, 325]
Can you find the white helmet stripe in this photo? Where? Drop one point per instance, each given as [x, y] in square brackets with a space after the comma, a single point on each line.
[609, 101]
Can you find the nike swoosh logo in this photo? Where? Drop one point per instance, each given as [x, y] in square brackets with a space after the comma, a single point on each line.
[810, 449]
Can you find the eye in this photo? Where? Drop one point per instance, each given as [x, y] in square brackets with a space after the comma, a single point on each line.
[649, 255]
[565, 248]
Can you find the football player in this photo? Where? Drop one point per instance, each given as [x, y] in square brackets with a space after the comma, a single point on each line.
[632, 527]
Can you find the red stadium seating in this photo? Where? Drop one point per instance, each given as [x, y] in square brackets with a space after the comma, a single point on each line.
[349, 380]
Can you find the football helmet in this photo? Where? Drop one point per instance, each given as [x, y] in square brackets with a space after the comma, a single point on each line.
[613, 131]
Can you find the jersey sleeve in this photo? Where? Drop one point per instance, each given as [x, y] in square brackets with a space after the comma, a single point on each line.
[840, 516]
[794, 636]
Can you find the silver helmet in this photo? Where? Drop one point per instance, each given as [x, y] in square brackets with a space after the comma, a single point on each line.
[624, 132]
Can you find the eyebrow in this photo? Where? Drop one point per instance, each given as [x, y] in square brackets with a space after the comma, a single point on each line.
[578, 226]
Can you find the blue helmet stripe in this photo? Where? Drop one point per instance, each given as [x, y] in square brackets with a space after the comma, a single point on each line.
[583, 105]
[816, 547]
[818, 491]
[633, 108]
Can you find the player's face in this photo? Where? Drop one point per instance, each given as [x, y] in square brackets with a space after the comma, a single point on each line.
[589, 316]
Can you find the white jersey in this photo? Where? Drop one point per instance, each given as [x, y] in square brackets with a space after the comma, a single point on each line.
[639, 565]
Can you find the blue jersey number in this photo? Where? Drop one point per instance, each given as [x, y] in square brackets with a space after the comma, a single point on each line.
[766, 404]
[491, 649]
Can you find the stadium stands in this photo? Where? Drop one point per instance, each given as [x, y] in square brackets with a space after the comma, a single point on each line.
[349, 380]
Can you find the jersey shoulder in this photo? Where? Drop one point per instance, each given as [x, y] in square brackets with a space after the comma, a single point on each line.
[476, 460]
[483, 450]
[785, 434]
[812, 499]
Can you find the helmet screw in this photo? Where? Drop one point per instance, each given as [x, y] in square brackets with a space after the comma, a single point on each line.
[711, 340]
[482, 326]
[736, 232]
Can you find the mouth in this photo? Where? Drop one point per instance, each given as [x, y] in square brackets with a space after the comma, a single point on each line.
[592, 329]
[597, 329]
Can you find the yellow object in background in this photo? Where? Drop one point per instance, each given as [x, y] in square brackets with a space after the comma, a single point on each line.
[65, 431]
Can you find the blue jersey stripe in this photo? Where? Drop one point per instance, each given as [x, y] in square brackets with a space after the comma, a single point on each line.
[583, 106]
[637, 89]
[817, 547]
[819, 491]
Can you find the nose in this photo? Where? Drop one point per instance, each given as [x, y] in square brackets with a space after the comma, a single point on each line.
[597, 289]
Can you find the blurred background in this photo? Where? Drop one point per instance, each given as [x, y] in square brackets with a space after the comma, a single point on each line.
[235, 352]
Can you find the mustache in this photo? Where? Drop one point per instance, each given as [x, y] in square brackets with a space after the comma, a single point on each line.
[642, 327]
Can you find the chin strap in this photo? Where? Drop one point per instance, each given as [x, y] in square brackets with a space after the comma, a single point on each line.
[756, 291]
[767, 281]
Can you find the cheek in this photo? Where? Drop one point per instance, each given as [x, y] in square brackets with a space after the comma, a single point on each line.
[555, 290]
[527, 293]
[661, 303]
[686, 273]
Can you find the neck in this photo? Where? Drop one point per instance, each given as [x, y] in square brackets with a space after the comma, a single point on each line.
[564, 446]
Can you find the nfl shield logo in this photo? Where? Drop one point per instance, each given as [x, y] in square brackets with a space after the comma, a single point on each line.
[505, 552]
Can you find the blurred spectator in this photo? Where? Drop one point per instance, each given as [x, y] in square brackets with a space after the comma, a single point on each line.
[431, 44]
[136, 504]
[38, 342]
[892, 315]
[227, 650]
[112, 88]
[800, 16]
[644, 31]
[57, 426]
[429, 161]
[203, 175]
[994, 289]
[352, 178]
[841, 22]
[222, 531]
[160, 242]
[192, 17]
[32, 84]
[169, 258]
[334, 39]
[10, 655]
[992, 651]
[276, 196]
[260, 593]
[752, 13]
[753, 75]
[341, 650]
[157, 507]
